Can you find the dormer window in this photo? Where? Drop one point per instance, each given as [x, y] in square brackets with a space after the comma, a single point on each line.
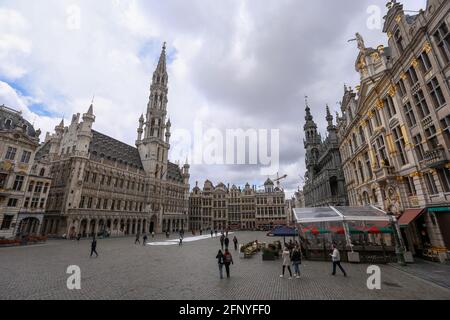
[425, 63]
[412, 76]
[442, 37]
[392, 111]
[399, 41]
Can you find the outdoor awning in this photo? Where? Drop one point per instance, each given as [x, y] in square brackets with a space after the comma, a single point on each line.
[409, 216]
[340, 214]
[283, 231]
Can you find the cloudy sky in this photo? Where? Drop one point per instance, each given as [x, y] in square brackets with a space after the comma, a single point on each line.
[232, 64]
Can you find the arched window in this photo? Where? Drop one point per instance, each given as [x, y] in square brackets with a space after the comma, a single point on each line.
[361, 135]
[42, 172]
[355, 142]
[366, 198]
[374, 195]
[361, 171]
[8, 124]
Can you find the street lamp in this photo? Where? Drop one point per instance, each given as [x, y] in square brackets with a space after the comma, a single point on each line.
[399, 247]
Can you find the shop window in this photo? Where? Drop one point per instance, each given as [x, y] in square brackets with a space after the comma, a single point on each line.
[7, 221]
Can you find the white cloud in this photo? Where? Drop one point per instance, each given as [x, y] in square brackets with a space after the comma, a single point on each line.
[233, 64]
[13, 99]
[13, 44]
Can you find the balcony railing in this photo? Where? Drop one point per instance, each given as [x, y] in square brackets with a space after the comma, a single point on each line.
[427, 121]
[415, 88]
[384, 173]
[434, 158]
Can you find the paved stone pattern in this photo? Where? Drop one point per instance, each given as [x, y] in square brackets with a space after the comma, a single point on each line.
[437, 273]
[128, 271]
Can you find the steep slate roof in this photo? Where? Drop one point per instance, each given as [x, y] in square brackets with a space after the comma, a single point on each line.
[411, 19]
[17, 121]
[109, 147]
[43, 151]
[174, 173]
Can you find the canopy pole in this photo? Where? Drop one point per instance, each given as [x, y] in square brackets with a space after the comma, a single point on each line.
[347, 235]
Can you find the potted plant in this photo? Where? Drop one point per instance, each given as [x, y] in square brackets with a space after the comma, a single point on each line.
[268, 254]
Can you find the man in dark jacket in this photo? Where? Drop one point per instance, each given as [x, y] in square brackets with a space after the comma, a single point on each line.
[222, 240]
[94, 247]
[227, 242]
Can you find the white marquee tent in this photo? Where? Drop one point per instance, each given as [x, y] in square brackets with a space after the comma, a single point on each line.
[304, 216]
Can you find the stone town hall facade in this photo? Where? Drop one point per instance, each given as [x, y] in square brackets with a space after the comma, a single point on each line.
[103, 185]
[324, 183]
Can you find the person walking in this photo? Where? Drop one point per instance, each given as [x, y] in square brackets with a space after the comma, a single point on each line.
[296, 261]
[221, 261]
[222, 240]
[181, 240]
[235, 241]
[212, 233]
[286, 255]
[153, 234]
[228, 260]
[94, 247]
[227, 242]
[336, 258]
[215, 231]
[144, 240]
[138, 239]
[167, 234]
[79, 237]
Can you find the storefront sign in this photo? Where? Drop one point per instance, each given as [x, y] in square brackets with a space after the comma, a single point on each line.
[441, 209]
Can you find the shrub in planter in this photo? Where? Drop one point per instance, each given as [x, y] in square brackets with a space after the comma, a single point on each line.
[268, 255]
[9, 242]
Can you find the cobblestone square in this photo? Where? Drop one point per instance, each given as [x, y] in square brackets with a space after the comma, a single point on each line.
[127, 271]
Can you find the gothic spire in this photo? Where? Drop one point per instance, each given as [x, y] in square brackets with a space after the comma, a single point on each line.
[162, 69]
[329, 117]
[309, 116]
[91, 110]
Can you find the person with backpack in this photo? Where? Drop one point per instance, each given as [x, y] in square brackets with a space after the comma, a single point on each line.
[296, 261]
[221, 261]
[228, 260]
